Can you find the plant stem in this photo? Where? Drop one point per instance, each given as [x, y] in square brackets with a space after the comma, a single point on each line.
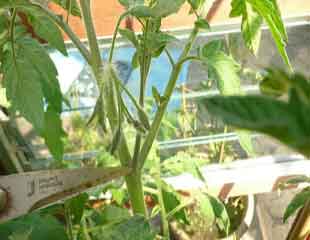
[134, 180]
[12, 33]
[178, 208]
[163, 213]
[85, 229]
[170, 58]
[150, 190]
[68, 221]
[102, 227]
[164, 218]
[66, 28]
[69, 10]
[183, 110]
[136, 193]
[9, 162]
[167, 94]
[145, 63]
[222, 148]
[120, 19]
[96, 61]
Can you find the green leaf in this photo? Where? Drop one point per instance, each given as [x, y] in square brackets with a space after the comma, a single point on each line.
[4, 31]
[245, 140]
[269, 10]
[280, 43]
[131, 3]
[155, 211]
[195, 4]
[47, 30]
[196, 172]
[226, 70]
[251, 29]
[226, 74]
[23, 87]
[157, 41]
[43, 65]
[143, 117]
[109, 95]
[223, 67]
[21, 235]
[164, 8]
[202, 24]
[298, 180]
[69, 4]
[116, 139]
[43, 227]
[135, 60]
[214, 211]
[212, 48]
[299, 200]
[99, 115]
[30, 79]
[278, 83]
[156, 95]
[129, 35]
[77, 206]
[53, 133]
[251, 23]
[200, 7]
[141, 11]
[278, 21]
[238, 7]
[286, 121]
[3, 100]
[13, 3]
[119, 195]
[171, 201]
[205, 208]
[112, 214]
[125, 3]
[134, 228]
[220, 212]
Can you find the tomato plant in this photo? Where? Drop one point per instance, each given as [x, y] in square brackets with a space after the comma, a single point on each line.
[31, 82]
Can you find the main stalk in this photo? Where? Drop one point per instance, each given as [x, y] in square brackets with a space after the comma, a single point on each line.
[134, 179]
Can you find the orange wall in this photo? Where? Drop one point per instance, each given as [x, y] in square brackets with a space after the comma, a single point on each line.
[106, 13]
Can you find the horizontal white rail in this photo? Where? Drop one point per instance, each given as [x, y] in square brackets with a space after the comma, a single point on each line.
[244, 177]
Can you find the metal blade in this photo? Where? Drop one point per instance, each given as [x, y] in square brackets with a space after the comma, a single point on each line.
[25, 192]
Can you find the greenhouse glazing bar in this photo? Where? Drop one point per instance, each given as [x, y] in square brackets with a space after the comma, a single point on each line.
[245, 177]
[216, 29]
